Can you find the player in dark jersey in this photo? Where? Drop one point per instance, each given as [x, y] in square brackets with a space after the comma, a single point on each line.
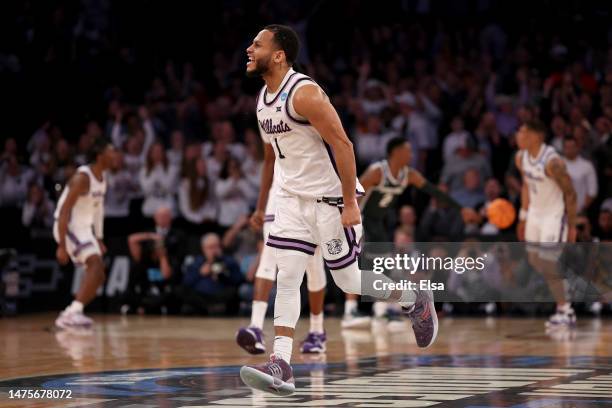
[384, 182]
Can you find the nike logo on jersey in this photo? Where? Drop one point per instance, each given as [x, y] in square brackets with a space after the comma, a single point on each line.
[271, 128]
[259, 110]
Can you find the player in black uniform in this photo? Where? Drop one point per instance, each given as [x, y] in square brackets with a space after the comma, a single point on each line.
[384, 182]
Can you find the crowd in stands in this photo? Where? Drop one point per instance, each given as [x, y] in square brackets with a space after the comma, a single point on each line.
[190, 149]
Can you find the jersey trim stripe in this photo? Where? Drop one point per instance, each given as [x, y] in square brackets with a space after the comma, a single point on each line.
[330, 153]
[352, 255]
[278, 93]
[287, 110]
[291, 244]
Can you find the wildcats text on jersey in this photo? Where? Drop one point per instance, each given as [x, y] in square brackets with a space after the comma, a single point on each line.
[271, 128]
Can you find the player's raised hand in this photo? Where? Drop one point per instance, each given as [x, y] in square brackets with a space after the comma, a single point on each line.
[256, 220]
[62, 255]
[351, 214]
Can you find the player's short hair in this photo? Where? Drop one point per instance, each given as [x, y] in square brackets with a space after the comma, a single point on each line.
[394, 143]
[97, 148]
[537, 126]
[287, 40]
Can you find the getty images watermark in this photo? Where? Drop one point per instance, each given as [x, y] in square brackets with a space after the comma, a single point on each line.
[405, 263]
[496, 271]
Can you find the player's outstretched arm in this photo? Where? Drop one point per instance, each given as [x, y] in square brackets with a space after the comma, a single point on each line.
[267, 175]
[556, 169]
[312, 103]
[415, 178]
[78, 185]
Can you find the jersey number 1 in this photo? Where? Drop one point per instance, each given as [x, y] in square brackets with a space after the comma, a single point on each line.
[280, 154]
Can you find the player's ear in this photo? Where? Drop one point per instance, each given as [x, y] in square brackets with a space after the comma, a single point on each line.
[278, 56]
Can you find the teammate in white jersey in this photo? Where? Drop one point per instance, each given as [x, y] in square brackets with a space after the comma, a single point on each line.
[316, 203]
[251, 338]
[78, 230]
[548, 212]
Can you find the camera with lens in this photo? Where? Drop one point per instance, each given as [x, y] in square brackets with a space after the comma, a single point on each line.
[218, 267]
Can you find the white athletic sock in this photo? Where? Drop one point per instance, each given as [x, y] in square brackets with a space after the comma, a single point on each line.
[316, 323]
[75, 307]
[349, 306]
[283, 346]
[380, 308]
[258, 314]
[407, 299]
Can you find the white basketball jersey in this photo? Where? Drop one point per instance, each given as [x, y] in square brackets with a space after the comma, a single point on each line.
[86, 206]
[305, 165]
[545, 196]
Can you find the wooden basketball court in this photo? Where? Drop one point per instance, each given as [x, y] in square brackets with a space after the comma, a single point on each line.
[173, 362]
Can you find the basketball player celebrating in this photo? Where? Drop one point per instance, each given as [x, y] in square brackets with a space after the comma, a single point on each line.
[316, 201]
[548, 212]
[251, 338]
[384, 181]
[78, 230]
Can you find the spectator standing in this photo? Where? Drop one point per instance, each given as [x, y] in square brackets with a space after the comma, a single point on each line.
[582, 173]
[196, 195]
[235, 194]
[158, 181]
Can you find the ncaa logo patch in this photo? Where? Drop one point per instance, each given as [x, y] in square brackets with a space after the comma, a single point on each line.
[284, 96]
[334, 247]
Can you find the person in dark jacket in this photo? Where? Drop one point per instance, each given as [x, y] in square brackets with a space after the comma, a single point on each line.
[212, 278]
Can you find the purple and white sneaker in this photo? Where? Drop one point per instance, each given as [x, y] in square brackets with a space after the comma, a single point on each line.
[314, 343]
[275, 376]
[69, 319]
[562, 318]
[251, 339]
[423, 317]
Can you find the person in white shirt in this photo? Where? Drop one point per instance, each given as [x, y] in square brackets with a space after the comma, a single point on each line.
[175, 152]
[216, 155]
[196, 194]
[38, 209]
[121, 188]
[582, 172]
[253, 162]
[417, 121]
[234, 192]
[371, 143]
[455, 139]
[158, 181]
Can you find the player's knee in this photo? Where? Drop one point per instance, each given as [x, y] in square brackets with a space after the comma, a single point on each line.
[348, 279]
[315, 280]
[266, 272]
[95, 266]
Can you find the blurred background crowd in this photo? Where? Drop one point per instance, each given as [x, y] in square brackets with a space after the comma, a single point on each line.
[167, 86]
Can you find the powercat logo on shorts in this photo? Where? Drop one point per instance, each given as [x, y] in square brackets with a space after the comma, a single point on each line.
[334, 247]
[271, 128]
